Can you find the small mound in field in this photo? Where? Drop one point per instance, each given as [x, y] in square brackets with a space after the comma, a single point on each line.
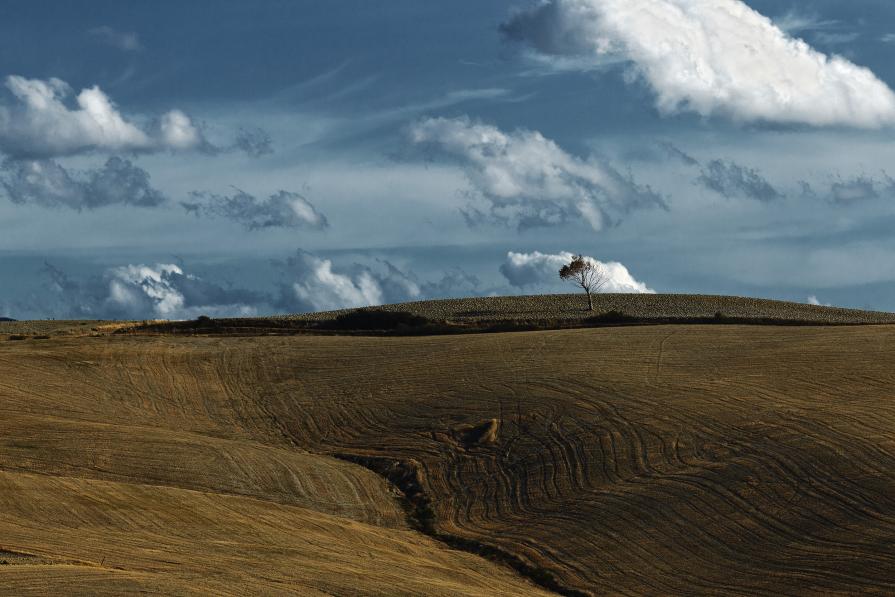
[476, 435]
[610, 317]
[375, 319]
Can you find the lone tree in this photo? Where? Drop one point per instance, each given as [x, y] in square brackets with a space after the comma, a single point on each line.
[587, 274]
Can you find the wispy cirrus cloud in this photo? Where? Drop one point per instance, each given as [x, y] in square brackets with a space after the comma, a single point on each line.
[127, 41]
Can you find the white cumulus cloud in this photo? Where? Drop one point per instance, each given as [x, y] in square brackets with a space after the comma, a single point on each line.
[165, 292]
[813, 300]
[313, 283]
[528, 180]
[41, 123]
[161, 291]
[542, 269]
[323, 288]
[178, 131]
[711, 57]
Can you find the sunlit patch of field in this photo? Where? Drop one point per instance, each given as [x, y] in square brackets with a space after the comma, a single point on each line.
[44, 328]
[682, 459]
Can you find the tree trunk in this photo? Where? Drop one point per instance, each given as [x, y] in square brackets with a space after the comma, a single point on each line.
[590, 302]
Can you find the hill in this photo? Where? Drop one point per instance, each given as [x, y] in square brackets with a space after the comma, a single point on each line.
[526, 313]
[638, 307]
[661, 459]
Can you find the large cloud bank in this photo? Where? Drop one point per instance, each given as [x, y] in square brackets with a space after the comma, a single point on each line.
[711, 57]
[527, 180]
[41, 123]
[542, 270]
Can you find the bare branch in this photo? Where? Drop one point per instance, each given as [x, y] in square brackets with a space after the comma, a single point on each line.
[587, 274]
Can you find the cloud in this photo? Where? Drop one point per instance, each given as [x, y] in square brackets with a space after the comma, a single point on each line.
[855, 189]
[527, 180]
[41, 125]
[730, 180]
[313, 283]
[539, 269]
[859, 188]
[677, 153]
[711, 57]
[836, 38]
[123, 40]
[162, 291]
[823, 31]
[280, 210]
[455, 283]
[177, 131]
[795, 22]
[813, 300]
[254, 142]
[48, 184]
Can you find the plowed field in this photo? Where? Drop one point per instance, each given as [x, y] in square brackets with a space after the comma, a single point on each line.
[685, 459]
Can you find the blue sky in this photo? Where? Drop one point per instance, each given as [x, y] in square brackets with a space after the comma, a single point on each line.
[173, 159]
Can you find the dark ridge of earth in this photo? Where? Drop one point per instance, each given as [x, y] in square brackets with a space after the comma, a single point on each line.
[646, 307]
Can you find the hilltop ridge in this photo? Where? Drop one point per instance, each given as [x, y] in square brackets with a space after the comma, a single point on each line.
[636, 306]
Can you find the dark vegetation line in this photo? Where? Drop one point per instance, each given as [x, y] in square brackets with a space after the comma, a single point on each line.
[405, 475]
[372, 322]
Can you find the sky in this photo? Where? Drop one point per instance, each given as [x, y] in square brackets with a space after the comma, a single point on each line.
[171, 159]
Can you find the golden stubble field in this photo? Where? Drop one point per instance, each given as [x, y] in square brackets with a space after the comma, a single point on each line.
[740, 460]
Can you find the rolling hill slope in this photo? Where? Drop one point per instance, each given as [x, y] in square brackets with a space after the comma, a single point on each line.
[738, 460]
[648, 307]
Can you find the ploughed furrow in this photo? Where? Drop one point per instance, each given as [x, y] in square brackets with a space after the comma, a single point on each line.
[149, 466]
[720, 471]
[722, 460]
[130, 538]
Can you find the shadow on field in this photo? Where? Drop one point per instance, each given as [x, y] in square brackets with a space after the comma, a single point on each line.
[377, 322]
[406, 476]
